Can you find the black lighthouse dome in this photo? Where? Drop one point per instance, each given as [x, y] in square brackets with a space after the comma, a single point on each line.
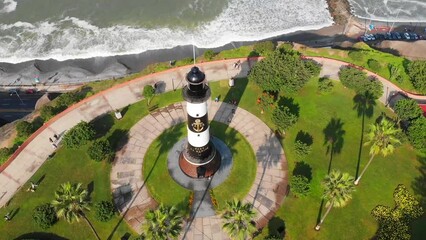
[196, 90]
[195, 76]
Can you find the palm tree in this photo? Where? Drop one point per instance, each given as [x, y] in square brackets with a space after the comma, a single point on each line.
[70, 202]
[382, 139]
[238, 218]
[338, 188]
[162, 223]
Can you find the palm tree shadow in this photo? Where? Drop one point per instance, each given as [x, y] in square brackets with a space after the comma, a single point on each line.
[333, 138]
[364, 105]
[167, 139]
[320, 211]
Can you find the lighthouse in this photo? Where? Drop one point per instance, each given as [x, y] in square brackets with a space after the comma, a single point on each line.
[199, 158]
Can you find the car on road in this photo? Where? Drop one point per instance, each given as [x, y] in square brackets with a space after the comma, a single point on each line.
[398, 35]
[31, 91]
[407, 36]
[13, 91]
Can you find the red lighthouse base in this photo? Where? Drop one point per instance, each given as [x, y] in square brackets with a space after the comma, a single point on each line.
[200, 171]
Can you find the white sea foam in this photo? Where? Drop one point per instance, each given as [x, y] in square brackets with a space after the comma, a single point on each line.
[242, 20]
[8, 6]
[390, 10]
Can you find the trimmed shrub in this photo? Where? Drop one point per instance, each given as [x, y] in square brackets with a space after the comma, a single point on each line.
[374, 65]
[24, 129]
[45, 216]
[300, 186]
[100, 150]
[417, 133]
[301, 149]
[356, 55]
[209, 55]
[313, 67]
[264, 48]
[357, 80]
[325, 85]
[283, 118]
[104, 211]
[79, 135]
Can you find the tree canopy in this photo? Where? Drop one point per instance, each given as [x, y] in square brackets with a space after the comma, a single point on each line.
[283, 70]
[417, 133]
[359, 81]
[417, 72]
[79, 135]
[395, 223]
[407, 109]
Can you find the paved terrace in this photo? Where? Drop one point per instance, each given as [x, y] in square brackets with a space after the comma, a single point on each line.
[32, 154]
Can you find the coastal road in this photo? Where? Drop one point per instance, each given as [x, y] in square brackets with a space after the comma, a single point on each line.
[15, 107]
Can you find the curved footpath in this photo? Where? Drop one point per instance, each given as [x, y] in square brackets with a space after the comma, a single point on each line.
[32, 154]
[266, 193]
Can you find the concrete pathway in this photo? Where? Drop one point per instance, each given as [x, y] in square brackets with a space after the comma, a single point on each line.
[266, 194]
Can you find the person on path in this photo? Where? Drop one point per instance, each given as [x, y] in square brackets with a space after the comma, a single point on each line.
[7, 217]
[50, 140]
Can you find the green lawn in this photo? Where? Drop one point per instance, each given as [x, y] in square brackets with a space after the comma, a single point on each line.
[75, 166]
[157, 176]
[376, 187]
[368, 53]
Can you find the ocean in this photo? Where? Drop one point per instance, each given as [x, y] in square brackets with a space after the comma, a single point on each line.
[71, 29]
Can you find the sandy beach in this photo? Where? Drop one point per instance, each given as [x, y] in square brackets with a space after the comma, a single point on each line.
[344, 32]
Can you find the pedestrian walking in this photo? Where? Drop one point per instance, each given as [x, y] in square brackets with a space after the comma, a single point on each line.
[50, 140]
[33, 187]
[54, 145]
[56, 136]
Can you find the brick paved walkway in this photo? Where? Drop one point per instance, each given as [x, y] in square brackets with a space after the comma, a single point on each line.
[266, 194]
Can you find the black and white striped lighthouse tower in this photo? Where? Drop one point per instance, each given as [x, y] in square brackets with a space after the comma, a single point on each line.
[199, 158]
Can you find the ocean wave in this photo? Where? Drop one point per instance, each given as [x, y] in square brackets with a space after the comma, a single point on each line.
[8, 6]
[390, 10]
[242, 20]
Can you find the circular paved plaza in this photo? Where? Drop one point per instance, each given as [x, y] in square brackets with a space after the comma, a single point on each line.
[266, 194]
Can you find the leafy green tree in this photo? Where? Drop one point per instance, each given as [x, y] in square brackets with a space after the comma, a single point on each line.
[47, 112]
[148, 93]
[67, 99]
[356, 55]
[70, 202]
[352, 78]
[238, 219]
[24, 129]
[162, 223]
[209, 55]
[407, 109]
[45, 216]
[395, 223]
[264, 48]
[372, 86]
[357, 80]
[104, 211]
[301, 149]
[374, 65]
[100, 150]
[4, 154]
[382, 139]
[325, 85]
[417, 72]
[338, 188]
[79, 135]
[313, 67]
[300, 185]
[417, 133]
[283, 118]
[283, 70]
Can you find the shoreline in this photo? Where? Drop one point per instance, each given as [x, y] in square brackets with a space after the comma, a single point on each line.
[346, 28]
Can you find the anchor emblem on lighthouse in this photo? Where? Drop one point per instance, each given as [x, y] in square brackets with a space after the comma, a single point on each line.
[198, 125]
